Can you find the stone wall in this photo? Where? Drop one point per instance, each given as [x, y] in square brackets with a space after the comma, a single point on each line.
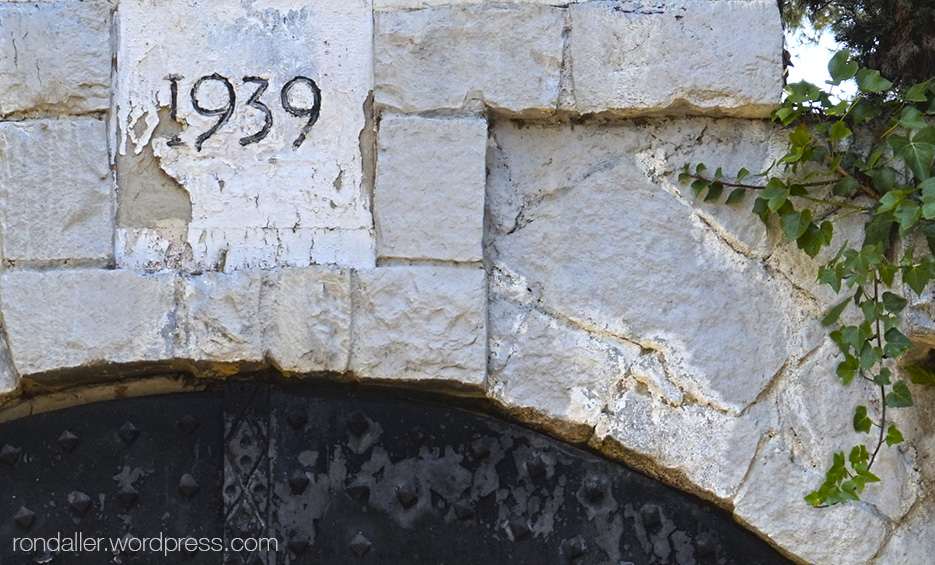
[486, 205]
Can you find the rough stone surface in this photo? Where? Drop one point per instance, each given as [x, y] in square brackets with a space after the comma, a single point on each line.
[420, 4]
[63, 319]
[429, 193]
[253, 204]
[543, 363]
[578, 227]
[812, 427]
[219, 317]
[420, 323]
[507, 55]
[9, 380]
[715, 55]
[57, 57]
[913, 540]
[56, 190]
[770, 502]
[308, 319]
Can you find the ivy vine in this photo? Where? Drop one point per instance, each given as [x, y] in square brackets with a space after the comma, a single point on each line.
[870, 153]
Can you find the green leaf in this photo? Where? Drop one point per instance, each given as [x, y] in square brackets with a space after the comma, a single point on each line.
[908, 214]
[830, 276]
[742, 174]
[917, 277]
[896, 343]
[861, 422]
[883, 377]
[893, 436]
[794, 223]
[921, 375]
[736, 196]
[776, 193]
[893, 302]
[699, 185]
[916, 92]
[785, 115]
[918, 153]
[835, 312]
[887, 273]
[714, 192]
[869, 356]
[802, 92]
[847, 369]
[911, 118]
[845, 187]
[799, 136]
[871, 81]
[900, 397]
[841, 67]
[892, 199]
[839, 131]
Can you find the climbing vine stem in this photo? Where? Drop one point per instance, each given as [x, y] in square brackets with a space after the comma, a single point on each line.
[871, 154]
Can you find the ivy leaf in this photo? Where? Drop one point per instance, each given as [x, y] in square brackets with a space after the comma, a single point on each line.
[742, 174]
[794, 223]
[900, 397]
[917, 277]
[847, 369]
[839, 131]
[714, 191]
[861, 422]
[893, 302]
[896, 343]
[908, 214]
[911, 118]
[845, 187]
[736, 196]
[918, 153]
[921, 375]
[893, 436]
[928, 198]
[916, 92]
[892, 199]
[835, 312]
[776, 193]
[883, 377]
[841, 67]
[871, 81]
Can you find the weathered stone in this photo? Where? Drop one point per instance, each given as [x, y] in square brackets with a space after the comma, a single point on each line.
[421, 4]
[770, 502]
[577, 223]
[59, 207]
[508, 55]
[57, 57]
[429, 193]
[254, 203]
[414, 323]
[813, 427]
[548, 365]
[9, 380]
[685, 55]
[63, 319]
[307, 319]
[709, 448]
[913, 540]
[219, 317]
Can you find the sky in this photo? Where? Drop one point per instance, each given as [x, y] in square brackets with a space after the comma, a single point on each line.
[810, 60]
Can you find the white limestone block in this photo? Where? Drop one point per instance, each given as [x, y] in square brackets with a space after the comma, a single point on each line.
[56, 190]
[421, 323]
[56, 57]
[429, 193]
[86, 317]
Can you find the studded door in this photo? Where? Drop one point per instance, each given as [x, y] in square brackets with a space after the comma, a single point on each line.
[331, 476]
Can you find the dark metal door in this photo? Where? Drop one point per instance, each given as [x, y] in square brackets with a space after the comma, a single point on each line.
[332, 476]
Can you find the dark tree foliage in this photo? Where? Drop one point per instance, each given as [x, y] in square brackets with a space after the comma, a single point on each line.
[895, 36]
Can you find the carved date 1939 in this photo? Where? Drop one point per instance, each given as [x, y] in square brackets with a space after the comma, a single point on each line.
[224, 112]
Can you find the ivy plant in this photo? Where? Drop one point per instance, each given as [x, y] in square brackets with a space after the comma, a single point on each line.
[872, 154]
